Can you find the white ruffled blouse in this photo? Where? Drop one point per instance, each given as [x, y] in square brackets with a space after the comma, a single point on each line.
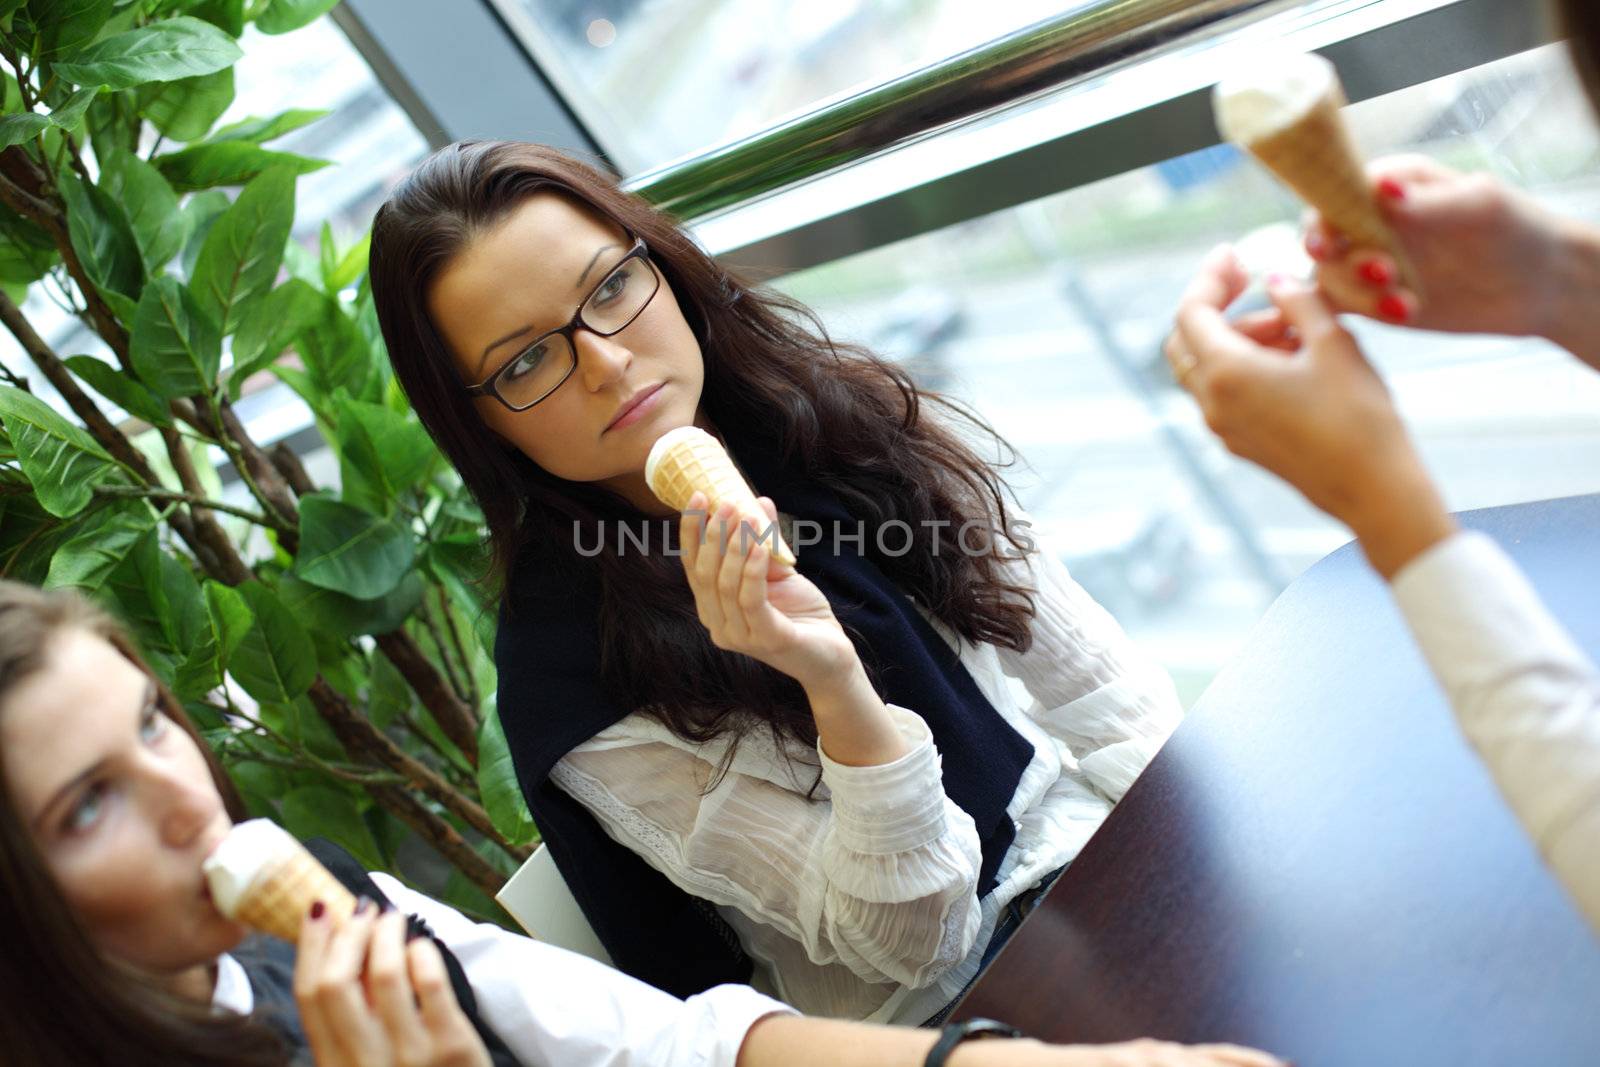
[862, 903]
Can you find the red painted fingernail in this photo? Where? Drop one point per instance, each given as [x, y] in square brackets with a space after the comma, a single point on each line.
[1393, 308]
[317, 909]
[1376, 271]
[1391, 189]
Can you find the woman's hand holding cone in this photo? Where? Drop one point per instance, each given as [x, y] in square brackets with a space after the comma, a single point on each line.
[750, 604]
[370, 998]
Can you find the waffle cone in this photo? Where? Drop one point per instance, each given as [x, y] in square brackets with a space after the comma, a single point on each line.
[278, 900]
[697, 462]
[1318, 159]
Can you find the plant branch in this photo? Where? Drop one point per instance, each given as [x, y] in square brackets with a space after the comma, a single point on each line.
[444, 838]
[436, 634]
[452, 714]
[167, 496]
[360, 737]
[471, 695]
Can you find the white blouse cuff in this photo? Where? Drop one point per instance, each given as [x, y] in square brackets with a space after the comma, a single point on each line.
[889, 807]
[725, 1014]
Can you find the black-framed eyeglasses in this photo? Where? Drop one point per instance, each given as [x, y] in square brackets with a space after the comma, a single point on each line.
[541, 367]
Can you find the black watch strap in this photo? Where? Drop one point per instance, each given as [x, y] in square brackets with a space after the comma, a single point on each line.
[955, 1033]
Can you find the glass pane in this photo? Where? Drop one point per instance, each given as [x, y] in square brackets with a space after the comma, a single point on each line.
[1048, 320]
[658, 79]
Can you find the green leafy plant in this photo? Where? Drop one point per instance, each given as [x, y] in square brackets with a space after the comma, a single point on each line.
[349, 617]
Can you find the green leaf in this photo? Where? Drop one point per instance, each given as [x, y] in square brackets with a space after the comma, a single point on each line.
[26, 251]
[275, 661]
[347, 267]
[201, 211]
[66, 25]
[72, 110]
[29, 535]
[176, 348]
[186, 109]
[228, 15]
[259, 130]
[268, 325]
[318, 811]
[351, 551]
[282, 16]
[19, 129]
[334, 350]
[230, 615]
[244, 248]
[497, 783]
[163, 51]
[159, 225]
[120, 389]
[61, 461]
[389, 695]
[113, 125]
[381, 453]
[102, 236]
[203, 166]
[344, 616]
[101, 546]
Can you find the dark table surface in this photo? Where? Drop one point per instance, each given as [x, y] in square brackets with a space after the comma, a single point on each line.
[1318, 865]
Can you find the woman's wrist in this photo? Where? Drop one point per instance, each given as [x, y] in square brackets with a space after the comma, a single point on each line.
[1572, 290]
[1403, 518]
[853, 723]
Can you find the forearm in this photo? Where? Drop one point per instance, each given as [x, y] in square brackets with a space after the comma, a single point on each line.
[853, 724]
[1573, 291]
[1402, 517]
[785, 1040]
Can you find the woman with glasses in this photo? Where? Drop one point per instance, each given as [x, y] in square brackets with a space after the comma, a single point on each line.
[115, 954]
[1290, 390]
[846, 781]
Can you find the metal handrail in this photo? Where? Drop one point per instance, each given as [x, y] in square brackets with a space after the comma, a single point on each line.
[1007, 71]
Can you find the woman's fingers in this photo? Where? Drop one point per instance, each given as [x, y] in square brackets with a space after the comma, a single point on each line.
[730, 577]
[331, 983]
[1269, 328]
[388, 983]
[1237, 1056]
[1367, 282]
[315, 929]
[708, 565]
[691, 530]
[343, 999]
[453, 1041]
[752, 596]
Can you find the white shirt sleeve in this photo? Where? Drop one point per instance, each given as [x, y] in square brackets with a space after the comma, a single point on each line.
[1111, 704]
[1526, 696]
[879, 873]
[551, 1006]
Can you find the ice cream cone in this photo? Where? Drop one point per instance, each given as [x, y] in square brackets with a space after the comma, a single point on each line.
[689, 460]
[262, 877]
[1289, 115]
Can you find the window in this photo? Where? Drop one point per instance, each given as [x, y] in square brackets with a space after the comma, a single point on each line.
[658, 79]
[1048, 319]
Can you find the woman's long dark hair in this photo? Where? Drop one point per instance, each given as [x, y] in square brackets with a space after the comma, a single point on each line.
[61, 1000]
[853, 422]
